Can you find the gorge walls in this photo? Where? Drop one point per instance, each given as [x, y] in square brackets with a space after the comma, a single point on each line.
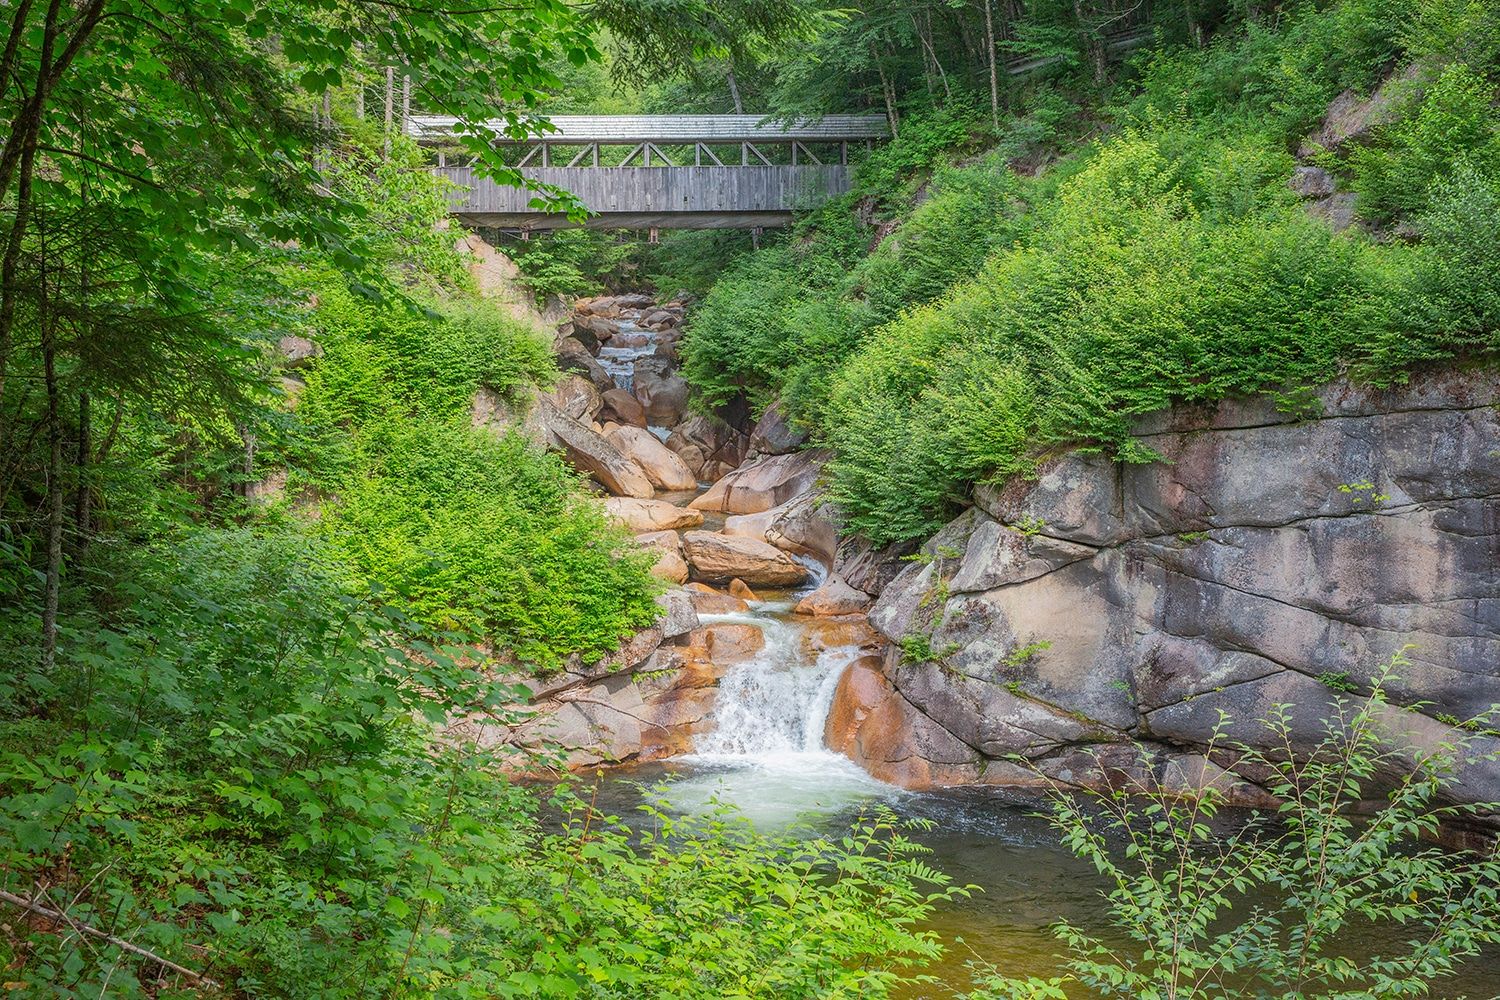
[1269, 558]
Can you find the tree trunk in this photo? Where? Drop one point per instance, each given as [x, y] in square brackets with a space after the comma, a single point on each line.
[888, 92]
[405, 101]
[12, 43]
[1093, 45]
[13, 256]
[247, 466]
[989, 48]
[390, 97]
[734, 91]
[54, 494]
[83, 499]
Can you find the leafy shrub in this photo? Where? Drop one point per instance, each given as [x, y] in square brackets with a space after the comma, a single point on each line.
[776, 313]
[1128, 301]
[1284, 904]
[968, 213]
[574, 261]
[489, 538]
[1454, 123]
[385, 359]
[892, 173]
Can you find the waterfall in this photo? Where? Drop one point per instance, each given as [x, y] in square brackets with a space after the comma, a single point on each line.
[765, 754]
[777, 702]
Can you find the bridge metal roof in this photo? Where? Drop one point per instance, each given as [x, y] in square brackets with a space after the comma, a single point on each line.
[631, 129]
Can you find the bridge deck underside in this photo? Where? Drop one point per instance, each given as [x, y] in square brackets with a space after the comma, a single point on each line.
[645, 197]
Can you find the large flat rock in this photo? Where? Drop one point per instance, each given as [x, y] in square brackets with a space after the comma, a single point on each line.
[764, 483]
[713, 556]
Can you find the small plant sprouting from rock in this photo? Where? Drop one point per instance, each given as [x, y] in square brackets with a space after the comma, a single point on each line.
[1022, 655]
[916, 647]
[1364, 494]
[928, 558]
[937, 594]
[1301, 403]
[1120, 685]
[1192, 537]
[1028, 525]
[1337, 681]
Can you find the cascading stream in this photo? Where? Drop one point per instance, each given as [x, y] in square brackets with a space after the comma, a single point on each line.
[765, 754]
[618, 357]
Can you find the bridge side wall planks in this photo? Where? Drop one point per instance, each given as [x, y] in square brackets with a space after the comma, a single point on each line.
[703, 191]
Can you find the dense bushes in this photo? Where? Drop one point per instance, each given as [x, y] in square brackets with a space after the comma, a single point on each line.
[1452, 124]
[781, 321]
[237, 773]
[1129, 300]
[489, 537]
[777, 312]
[1008, 316]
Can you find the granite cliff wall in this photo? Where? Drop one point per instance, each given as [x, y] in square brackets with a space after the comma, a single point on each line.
[1108, 613]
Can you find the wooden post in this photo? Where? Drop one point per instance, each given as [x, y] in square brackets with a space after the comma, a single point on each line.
[546, 154]
[596, 154]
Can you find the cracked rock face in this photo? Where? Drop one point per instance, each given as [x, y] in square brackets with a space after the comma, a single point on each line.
[1268, 559]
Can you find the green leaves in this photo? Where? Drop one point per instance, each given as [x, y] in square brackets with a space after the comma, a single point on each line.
[1311, 902]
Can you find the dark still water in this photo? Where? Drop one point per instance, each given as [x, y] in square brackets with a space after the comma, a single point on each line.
[988, 838]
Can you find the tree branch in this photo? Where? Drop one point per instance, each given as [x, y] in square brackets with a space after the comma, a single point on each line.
[46, 911]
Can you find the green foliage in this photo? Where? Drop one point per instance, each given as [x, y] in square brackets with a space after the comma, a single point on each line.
[397, 362]
[490, 539]
[1024, 654]
[239, 771]
[574, 261]
[1453, 126]
[1337, 681]
[1455, 292]
[1278, 904]
[893, 172]
[1130, 299]
[775, 318]
[968, 213]
[484, 536]
[691, 260]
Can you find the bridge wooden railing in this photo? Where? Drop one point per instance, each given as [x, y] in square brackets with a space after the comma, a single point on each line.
[682, 171]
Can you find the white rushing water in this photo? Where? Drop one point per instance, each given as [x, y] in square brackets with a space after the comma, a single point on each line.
[619, 360]
[766, 755]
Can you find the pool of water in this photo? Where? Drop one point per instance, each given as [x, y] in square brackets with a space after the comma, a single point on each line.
[766, 758]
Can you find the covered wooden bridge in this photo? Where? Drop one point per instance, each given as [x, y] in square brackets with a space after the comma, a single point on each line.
[665, 171]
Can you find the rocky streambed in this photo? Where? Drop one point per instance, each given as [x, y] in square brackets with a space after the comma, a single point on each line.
[732, 511]
[1087, 625]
